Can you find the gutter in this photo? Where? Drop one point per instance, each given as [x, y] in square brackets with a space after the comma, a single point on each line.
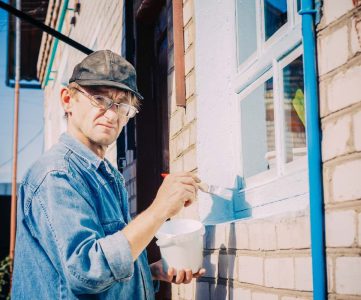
[66, 40]
[313, 131]
[55, 45]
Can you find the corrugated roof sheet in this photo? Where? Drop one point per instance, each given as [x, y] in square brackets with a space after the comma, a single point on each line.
[30, 40]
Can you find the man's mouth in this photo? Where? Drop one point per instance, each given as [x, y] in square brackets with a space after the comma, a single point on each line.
[107, 126]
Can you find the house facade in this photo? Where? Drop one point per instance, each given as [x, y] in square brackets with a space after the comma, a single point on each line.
[239, 124]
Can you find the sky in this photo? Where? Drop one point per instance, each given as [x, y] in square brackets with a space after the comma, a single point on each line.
[31, 110]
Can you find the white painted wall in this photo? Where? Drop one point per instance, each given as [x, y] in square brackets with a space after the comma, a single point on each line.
[215, 59]
[218, 125]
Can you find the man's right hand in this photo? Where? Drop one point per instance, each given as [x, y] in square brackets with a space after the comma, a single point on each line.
[178, 190]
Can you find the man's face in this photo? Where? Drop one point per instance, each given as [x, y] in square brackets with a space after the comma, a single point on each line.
[91, 124]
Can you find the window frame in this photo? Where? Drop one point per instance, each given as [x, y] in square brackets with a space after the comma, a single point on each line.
[286, 38]
[269, 62]
[289, 167]
[282, 168]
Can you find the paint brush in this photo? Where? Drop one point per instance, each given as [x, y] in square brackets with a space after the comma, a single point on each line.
[224, 193]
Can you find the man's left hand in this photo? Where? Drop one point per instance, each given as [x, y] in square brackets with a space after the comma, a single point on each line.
[173, 276]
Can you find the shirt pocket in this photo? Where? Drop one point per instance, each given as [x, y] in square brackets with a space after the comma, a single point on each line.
[111, 227]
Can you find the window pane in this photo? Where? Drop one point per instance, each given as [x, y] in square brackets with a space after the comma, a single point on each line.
[258, 130]
[275, 13]
[294, 106]
[246, 29]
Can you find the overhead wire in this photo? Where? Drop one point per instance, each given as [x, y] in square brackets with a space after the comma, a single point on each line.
[23, 147]
[4, 26]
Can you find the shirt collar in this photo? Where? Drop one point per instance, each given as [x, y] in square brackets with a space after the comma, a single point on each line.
[81, 150]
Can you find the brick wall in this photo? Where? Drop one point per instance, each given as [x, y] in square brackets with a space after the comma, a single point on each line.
[339, 47]
[182, 123]
[270, 258]
[267, 258]
[129, 173]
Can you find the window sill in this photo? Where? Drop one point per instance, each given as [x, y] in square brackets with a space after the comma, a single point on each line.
[286, 193]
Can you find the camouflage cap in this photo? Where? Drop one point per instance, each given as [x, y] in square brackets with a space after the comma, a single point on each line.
[106, 68]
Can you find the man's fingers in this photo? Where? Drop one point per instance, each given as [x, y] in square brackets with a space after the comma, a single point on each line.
[187, 181]
[200, 273]
[190, 189]
[183, 276]
[180, 277]
[170, 274]
[188, 174]
[188, 276]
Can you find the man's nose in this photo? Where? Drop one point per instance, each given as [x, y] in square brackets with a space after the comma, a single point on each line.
[112, 113]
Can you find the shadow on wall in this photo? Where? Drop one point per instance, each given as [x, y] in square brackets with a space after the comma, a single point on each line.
[220, 244]
[226, 210]
[220, 263]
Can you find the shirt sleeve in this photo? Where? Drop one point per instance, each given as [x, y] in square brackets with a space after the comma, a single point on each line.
[66, 224]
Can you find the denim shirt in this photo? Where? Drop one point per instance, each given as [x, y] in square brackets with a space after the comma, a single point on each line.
[72, 206]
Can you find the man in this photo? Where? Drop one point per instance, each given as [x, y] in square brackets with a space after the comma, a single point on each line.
[75, 239]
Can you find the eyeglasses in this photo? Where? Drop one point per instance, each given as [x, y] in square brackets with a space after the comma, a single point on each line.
[106, 103]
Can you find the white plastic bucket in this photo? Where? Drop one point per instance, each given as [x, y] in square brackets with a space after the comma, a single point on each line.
[181, 244]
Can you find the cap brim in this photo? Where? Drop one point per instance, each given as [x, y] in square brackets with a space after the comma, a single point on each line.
[84, 82]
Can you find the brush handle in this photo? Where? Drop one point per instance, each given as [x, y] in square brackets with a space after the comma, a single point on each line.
[204, 187]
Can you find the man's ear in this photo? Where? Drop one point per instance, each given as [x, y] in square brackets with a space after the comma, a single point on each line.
[65, 100]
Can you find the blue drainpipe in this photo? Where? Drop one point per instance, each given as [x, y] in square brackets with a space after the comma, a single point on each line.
[310, 12]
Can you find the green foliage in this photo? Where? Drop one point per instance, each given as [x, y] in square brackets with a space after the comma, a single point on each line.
[5, 266]
[298, 103]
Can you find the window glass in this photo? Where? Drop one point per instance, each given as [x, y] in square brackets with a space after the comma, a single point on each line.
[294, 108]
[275, 13]
[246, 29]
[258, 130]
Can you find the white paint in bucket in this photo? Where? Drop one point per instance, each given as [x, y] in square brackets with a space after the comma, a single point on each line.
[181, 244]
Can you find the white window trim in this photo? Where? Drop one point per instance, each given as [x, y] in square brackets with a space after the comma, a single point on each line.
[265, 44]
[286, 168]
[262, 79]
[284, 188]
[282, 168]
[285, 40]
